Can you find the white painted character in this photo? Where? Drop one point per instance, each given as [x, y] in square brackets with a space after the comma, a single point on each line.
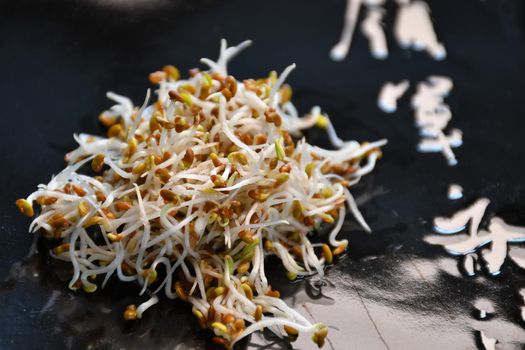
[340, 50]
[433, 120]
[372, 28]
[500, 234]
[374, 2]
[389, 94]
[497, 237]
[432, 116]
[432, 92]
[441, 85]
[444, 144]
[469, 264]
[461, 218]
[522, 293]
[517, 254]
[455, 191]
[413, 29]
[488, 342]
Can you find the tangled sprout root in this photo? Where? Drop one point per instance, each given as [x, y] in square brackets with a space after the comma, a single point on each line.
[204, 183]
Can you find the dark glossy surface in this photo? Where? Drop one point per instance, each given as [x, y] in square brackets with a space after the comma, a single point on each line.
[392, 291]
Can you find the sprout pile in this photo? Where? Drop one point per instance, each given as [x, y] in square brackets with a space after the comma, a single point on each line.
[188, 195]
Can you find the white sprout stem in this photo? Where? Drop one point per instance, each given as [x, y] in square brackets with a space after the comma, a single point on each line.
[279, 83]
[146, 305]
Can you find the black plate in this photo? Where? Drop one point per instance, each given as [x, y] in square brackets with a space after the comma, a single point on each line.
[393, 290]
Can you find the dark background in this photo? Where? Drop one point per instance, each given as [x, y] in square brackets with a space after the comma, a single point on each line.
[393, 290]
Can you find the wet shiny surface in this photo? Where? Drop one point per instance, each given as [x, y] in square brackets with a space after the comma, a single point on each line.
[392, 290]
